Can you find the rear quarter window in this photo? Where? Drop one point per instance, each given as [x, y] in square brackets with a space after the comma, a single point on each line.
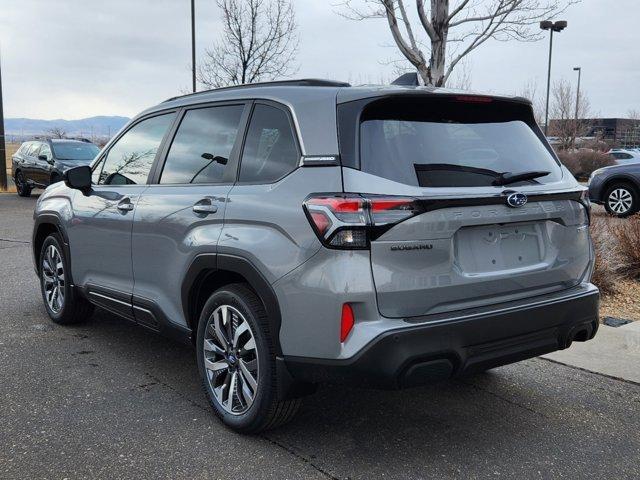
[270, 150]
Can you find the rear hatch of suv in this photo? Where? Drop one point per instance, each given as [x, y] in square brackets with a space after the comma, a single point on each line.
[468, 205]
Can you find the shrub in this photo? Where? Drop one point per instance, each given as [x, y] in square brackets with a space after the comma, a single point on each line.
[605, 275]
[627, 234]
[583, 162]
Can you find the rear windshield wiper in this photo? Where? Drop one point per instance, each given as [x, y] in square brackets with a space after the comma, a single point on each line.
[506, 178]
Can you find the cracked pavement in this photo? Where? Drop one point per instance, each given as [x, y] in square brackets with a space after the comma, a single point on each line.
[107, 399]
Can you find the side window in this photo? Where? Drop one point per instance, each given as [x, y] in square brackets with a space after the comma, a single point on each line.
[45, 150]
[202, 145]
[270, 150]
[33, 149]
[24, 148]
[129, 160]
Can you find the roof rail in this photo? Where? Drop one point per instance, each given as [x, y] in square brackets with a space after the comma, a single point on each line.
[303, 82]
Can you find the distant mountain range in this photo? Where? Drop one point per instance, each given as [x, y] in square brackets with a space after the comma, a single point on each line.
[96, 126]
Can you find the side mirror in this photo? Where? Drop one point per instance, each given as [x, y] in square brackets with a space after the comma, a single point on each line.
[78, 178]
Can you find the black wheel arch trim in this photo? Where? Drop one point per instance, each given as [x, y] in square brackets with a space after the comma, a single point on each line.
[619, 178]
[208, 263]
[50, 219]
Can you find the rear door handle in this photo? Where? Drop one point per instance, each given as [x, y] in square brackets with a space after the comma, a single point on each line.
[125, 205]
[205, 206]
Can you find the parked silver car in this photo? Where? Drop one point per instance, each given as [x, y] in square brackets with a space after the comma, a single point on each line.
[308, 231]
[625, 156]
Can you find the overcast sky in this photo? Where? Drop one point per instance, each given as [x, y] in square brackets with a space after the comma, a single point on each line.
[78, 58]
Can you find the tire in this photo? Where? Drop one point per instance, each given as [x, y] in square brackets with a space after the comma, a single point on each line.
[23, 189]
[621, 200]
[236, 308]
[64, 307]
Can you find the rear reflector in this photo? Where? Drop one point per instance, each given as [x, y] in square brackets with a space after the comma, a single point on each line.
[346, 322]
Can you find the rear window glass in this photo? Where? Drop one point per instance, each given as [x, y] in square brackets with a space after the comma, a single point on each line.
[621, 156]
[449, 144]
[82, 151]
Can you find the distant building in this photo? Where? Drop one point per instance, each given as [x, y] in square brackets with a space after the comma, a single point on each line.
[617, 132]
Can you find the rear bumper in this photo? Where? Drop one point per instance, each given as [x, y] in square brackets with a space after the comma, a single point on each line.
[419, 354]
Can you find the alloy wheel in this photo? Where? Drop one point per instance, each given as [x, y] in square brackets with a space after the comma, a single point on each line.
[53, 278]
[231, 359]
[620, 200]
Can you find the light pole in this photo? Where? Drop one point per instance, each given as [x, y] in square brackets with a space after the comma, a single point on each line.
[193, 45]
[554, 27]
[3, 157]
[575, 131]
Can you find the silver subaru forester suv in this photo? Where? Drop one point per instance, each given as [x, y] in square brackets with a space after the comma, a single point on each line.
[307, 231]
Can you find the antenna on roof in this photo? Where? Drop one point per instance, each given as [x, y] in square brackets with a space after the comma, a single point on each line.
[408, 80]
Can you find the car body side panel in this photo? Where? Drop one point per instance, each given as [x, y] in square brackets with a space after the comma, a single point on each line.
[100, 237]
[623, 173]
[57, 200]
[41, 171]
[167, 236]
[311, 299]
[266, 224]
[28, 168]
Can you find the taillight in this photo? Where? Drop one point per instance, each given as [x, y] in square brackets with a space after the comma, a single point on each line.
[353, 220]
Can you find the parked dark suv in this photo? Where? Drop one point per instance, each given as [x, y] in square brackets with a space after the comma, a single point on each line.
[309, 231]
[39, 163]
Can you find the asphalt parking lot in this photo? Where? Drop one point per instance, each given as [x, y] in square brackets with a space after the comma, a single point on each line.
[107, 399]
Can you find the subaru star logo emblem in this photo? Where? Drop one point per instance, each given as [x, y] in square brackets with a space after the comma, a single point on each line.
[516, 200]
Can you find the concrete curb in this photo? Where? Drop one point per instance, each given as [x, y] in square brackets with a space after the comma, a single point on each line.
[615, 352]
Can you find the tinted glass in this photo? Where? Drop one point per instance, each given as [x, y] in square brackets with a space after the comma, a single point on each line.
[451, 146]
[82, 151]
[270, 150]
[621, 156]
[33, 148]
[97, 170]
[130, 159]
[202, 146]
[24, 148]
[45, 150]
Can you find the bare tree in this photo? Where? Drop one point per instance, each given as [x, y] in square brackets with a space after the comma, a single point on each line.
[462, 77]
[633, 114]
[436, 39]
[259, 42]
[530, 92]
[563, 111]
[57, 132]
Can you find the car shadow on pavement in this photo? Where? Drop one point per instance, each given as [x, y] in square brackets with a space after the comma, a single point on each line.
[522, 412]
